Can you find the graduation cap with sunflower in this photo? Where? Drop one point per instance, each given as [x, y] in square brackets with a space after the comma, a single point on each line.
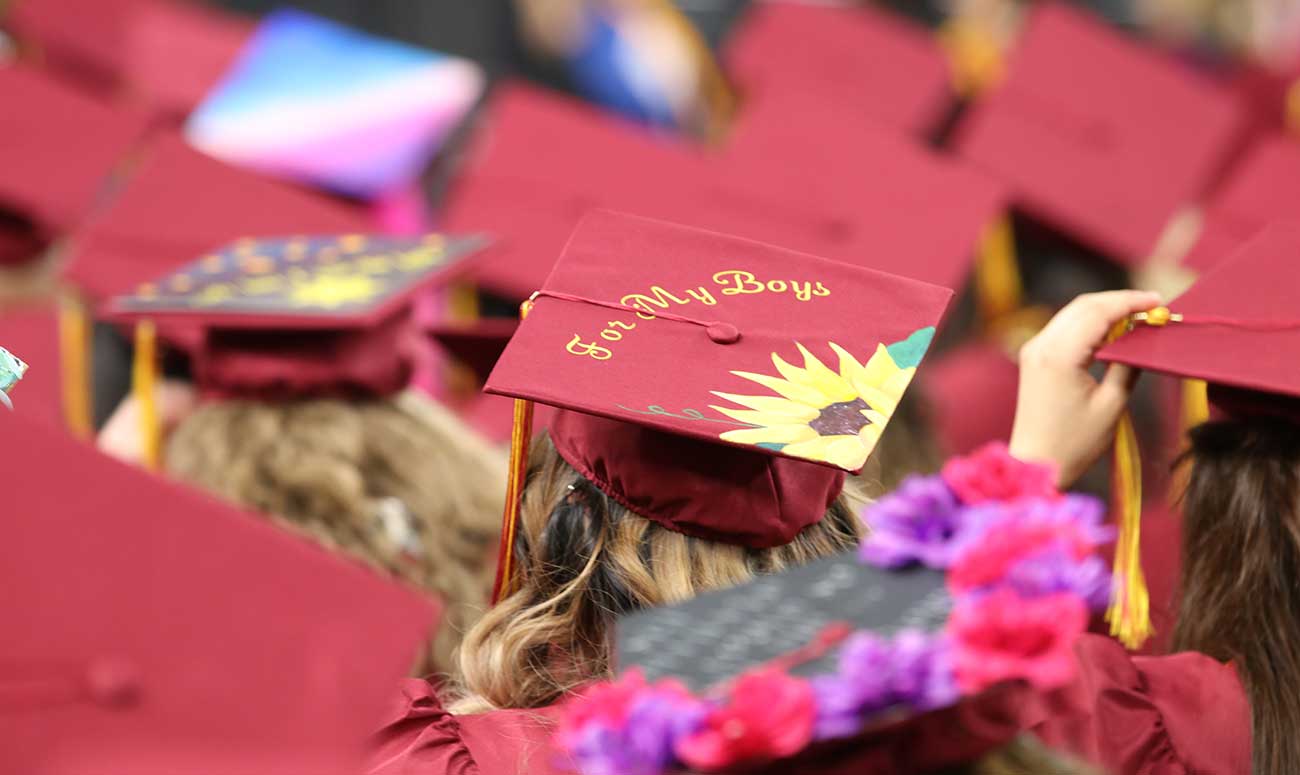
[717, 386]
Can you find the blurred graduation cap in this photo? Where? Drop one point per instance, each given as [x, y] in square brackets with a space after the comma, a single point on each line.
[974, 374]
[866, 61]
[288, 318]
[1264, 186]
[191, 638]
[180, 203]
[163, 54]
[1108, 153]
[1236, 329]
[795, 365]
[58, 149]
[318, 102]
[892, 204]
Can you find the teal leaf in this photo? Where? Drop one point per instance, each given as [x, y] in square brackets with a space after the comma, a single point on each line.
[910, 351]
[769, 445]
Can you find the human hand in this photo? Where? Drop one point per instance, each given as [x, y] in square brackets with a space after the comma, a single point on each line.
[1064, 416]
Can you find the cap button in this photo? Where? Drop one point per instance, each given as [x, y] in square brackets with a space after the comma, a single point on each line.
[112, 682]
[723, 333]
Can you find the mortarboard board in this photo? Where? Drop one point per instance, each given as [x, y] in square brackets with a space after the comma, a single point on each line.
[866, 61]
[1108, 153]
[477, 344]
[884, 659]
[890, 203]
[81, 38]
[1236, 329]
[32, 333]
[318, 102]
[191, 637]
[1262, 187]
[718, 386]
[58, 147]
[179, 204]
[175, 53]
[287, 317]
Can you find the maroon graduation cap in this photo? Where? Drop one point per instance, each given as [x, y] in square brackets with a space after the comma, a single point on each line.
[1262, 187]
[718, 386]
[868, 62]
[1097, 136]
[179, 204]
[164, 631]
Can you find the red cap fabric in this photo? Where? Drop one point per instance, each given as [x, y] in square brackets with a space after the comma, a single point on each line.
[1263, 187]
[32, 334]
[476, 344]
[974, 374]
[180, 204]
[164, 631]
[868, 62]
[58, 147]
[1239, 329]
[82, 38]
[307, 316]
[887, 202]
[1106, 152]
[789, 358]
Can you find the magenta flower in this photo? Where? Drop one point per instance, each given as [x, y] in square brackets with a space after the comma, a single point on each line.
[990, 473]
[1002, 636]
[767, 715]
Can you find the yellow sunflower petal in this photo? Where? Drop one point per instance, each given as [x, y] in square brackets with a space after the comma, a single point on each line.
[791, 372]
[791, 390]
[783, 408]
[881, 366]
[879, 400]
[772, 434]
[844, 451]
[850, 368]
[832, 385]
[869, 437]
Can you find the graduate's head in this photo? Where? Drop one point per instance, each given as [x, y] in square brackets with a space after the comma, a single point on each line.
[301, 351]
[399, 483]
[712, 394]
[583, 559]
[1237, 330]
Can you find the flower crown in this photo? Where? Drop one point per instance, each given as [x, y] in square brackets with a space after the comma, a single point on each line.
[1023, 576]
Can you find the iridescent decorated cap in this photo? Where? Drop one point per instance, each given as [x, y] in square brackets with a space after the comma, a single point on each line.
[718, 386]
[1106, 153]
[193, 637]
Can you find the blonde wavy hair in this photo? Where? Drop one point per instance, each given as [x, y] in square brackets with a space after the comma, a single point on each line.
[331, 469]
[582, 559]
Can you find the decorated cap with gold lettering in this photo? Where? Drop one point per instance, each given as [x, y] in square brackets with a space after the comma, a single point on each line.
[302, 316]
[718, 386]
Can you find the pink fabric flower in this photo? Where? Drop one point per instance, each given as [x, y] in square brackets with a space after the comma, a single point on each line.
[992, 474]
[1005, 542]
[604, 703]
[768, 715]
[1003, 636]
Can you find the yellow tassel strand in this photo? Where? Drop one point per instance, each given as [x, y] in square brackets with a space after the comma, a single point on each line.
[1293, 108]
[1196, 403]
[521, 435]
[975, 58]
[144, 381]
[74, 349]
[1129, 614]
[997, 276]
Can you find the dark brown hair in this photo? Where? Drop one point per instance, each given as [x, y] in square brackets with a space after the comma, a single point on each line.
[1241, 573]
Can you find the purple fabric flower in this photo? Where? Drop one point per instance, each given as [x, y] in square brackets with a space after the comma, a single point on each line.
[919, 522]
[643, 743]
[912, 670]
[1057, 569]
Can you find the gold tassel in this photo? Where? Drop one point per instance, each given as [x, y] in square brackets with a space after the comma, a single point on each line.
[1293, 108]
[74, 349]
[144, 380]
[1129, 614]
[1196, 403]
[998, 286]
[462, 303]
[521, 434]
[975, 58]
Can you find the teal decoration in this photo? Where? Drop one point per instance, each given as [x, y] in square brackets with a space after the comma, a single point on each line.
[11, 370]
[771, 446]
[910, 351]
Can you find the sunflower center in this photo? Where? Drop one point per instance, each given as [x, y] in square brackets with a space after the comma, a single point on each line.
[845, 418]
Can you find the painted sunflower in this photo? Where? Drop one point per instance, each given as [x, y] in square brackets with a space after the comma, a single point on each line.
[818, 413]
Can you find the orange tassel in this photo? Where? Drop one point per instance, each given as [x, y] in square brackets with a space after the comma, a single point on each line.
[998, 286]
[74, 348]
[144, 381]
[521, 434]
